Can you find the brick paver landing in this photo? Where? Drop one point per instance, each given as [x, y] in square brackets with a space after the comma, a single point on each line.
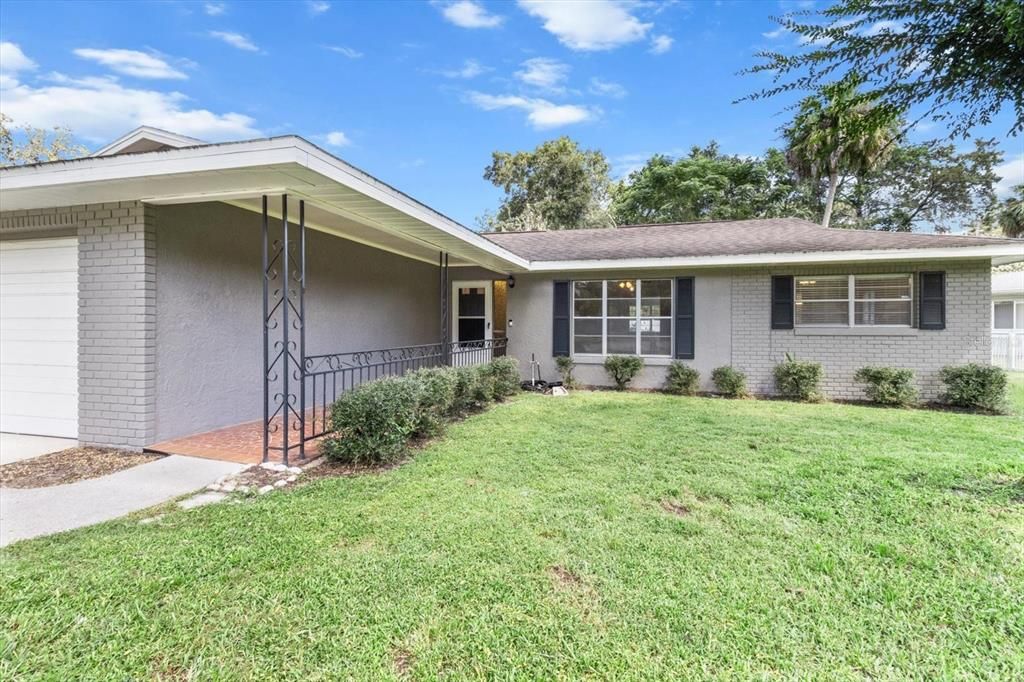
[242, 443]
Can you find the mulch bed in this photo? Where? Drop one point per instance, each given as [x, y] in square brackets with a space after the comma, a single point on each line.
[68, 466]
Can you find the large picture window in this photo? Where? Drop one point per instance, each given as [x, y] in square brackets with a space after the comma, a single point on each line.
[854, 300]
[622, 317]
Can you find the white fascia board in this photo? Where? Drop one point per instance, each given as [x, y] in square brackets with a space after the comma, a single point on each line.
[1012, 252]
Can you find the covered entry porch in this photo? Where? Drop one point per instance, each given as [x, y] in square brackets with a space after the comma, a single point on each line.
[333, 312]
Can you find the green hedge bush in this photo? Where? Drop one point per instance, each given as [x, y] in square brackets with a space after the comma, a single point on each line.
[888, 385]
[798, 380]
[466, 380]
[505, 374]
[974, 386]
[682, 379]
[729, 381]
[623, 368]
[566, 366]
[436, 398]
[373, 423]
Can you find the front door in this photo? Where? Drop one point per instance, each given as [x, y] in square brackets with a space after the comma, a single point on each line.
[471, 314]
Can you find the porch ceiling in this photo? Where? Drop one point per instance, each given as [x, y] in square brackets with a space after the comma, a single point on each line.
[340, 199]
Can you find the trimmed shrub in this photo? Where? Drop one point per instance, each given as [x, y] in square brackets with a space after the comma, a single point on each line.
[682, 379]
[483, 389]
[466, 380]
[623, 368]
[729, 381]
[566, 365]
[888, 385]
[798, 380]
[974, 386]
[435, 398]
[505, 373]
[373, 422]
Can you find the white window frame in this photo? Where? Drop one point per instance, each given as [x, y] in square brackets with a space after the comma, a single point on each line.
[852, 301]
[638, 285]
[1017, 317]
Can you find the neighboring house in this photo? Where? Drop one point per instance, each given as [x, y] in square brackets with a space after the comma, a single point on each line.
[1008, 320]
[134, 308]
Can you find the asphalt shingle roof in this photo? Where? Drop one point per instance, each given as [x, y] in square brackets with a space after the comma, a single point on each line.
[719, 238]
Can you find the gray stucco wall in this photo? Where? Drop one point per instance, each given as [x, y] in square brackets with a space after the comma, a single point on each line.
[209, 310]
[733, 327]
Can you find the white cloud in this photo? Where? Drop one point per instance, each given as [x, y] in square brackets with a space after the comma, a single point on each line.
[886, 26]
[336, 138]
[346, 51]
[541, 113]
[544, 73]
[1012, 174]
[470, 68]
[470, 14]
[661, 44]
[215, 9]
[100, 109]
[132, 63]
[412, 163]
[235, 40]
[318, 6]
[607, 88]
[777, 33]
[13, 60]
[594, 25]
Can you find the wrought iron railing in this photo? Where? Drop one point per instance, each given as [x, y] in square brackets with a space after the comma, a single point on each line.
[326, 377]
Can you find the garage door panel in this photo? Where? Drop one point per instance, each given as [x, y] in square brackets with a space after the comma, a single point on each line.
[35, 353]
[58, 382]
[61, 427]
[39, 336]
[36, 306]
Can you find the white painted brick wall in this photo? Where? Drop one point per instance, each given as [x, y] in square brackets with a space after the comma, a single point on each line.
[116, 314]
[756, 348]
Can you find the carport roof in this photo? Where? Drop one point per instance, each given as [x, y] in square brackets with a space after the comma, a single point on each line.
[340, 198]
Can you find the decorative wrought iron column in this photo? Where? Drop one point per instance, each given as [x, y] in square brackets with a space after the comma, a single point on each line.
[284, 310]
[442, 262]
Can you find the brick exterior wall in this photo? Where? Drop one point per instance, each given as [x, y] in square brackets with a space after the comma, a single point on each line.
[756, 348]
[116, 314]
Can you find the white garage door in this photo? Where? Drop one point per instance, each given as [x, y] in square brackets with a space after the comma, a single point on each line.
[39, 336]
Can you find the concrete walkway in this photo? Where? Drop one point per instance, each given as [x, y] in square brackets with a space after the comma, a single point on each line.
[16, 446]
[40, 511]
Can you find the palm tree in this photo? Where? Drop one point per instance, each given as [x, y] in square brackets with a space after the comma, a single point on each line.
[846, 132]
[1010, 214]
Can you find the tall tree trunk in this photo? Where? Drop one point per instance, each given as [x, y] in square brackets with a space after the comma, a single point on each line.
[830, 199]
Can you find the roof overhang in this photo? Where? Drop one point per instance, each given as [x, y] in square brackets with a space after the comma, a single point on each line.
[998, 253]
[340, 198]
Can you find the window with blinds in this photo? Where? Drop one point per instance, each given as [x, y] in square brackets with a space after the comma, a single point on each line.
[854, 300]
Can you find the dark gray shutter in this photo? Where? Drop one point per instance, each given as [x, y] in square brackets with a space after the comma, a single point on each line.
[782, 302]
[560, 323]
[932, 300]
[684, 318]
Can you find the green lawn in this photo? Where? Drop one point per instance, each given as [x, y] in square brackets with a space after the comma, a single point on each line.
[1017, 393]
[600, 535]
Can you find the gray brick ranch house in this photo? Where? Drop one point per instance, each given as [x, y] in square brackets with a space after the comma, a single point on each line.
[148, 292]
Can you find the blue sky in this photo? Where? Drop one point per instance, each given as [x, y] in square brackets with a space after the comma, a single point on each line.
[418, 94]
